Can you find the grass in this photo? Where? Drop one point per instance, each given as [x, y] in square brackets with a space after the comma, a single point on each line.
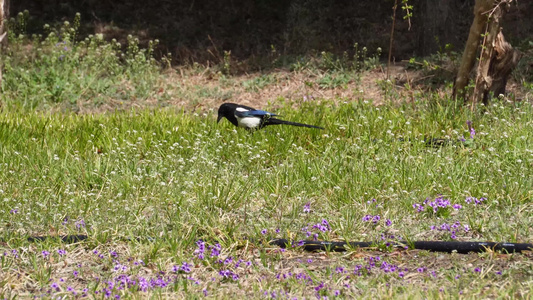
[175, 205]
[172, 178]
[56, 69]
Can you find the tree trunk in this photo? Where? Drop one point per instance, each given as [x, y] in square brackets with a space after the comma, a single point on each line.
[4, 16]
[469, 55]
[497, 60]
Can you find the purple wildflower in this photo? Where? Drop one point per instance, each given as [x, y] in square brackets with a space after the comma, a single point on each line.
[307, 207]
[200, 250]
[61, 252]
[418, 207]
[79, 224]
[439, 202]
[475, 200]
[185, 267]
[373, 201]
[215, 250]
[376, 219]
[225, 273]
[228, 260]
[319, 287]
[139, 262]
[55, 286]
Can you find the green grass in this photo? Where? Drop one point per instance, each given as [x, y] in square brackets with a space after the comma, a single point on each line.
[173, 178]
[56, 69]
[258, 83]
[153, 189]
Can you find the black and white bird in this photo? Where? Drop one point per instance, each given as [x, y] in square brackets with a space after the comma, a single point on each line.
[252, 119]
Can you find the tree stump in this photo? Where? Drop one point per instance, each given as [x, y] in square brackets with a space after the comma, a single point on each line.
[497, 58]
[493, 74]
[497, 61]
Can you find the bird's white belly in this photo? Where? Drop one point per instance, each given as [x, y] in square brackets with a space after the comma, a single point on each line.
[249, 122]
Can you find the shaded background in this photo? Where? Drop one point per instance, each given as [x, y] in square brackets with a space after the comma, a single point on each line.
[202, 30]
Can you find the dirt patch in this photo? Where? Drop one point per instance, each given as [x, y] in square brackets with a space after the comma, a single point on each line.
[207, 90]
[291, 87]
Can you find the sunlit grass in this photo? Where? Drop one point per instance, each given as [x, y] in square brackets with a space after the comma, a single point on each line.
[175, 205]
[150, 184]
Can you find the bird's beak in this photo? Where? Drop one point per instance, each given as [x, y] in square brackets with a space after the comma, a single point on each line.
[219, 118]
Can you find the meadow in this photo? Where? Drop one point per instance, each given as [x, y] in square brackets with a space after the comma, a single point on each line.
[177, 206]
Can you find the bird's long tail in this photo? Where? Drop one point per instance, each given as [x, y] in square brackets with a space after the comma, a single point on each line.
[274, 121]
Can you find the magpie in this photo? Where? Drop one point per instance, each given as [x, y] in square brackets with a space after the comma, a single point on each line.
[252, 119]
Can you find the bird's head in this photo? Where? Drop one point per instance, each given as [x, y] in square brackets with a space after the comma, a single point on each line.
[226, 110]
[222, 112]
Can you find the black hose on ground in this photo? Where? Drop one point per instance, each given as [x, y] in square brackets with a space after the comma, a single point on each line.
[437, 246]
